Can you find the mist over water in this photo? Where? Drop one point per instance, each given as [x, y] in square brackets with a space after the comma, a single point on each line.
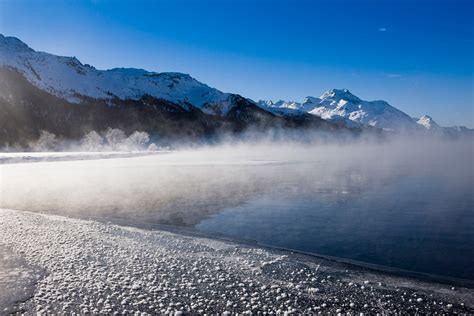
[406, 203]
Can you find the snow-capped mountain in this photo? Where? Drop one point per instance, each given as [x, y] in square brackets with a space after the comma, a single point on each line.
[68, 78]
[432, 127]
[341, 105]
[40, 91]
[43, 92]
[427, 122]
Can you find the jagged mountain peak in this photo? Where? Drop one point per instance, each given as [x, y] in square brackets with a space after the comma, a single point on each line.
[311, 100]
[339, 94]
[426, 117]
[427, 122]
[13, 43]
[340, 105]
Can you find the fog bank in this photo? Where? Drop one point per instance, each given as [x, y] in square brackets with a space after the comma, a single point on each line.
[184, 186]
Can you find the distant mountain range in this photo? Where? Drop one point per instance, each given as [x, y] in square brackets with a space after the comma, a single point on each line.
[342, 106]
[41, 91]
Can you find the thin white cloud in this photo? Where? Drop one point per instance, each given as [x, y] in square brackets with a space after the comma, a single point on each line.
[394, 75]
[382, 29]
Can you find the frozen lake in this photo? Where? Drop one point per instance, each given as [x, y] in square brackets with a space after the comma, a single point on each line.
[396, 205]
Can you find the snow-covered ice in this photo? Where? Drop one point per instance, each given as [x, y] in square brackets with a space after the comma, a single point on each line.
[94, 267]
[21, 157]
[17, 278]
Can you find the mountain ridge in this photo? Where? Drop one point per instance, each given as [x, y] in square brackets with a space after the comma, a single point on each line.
[170, 97]
[27, 111]
[68, 78]
[342, 105]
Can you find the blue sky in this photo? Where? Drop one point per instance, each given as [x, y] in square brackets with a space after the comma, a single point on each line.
[417, 55]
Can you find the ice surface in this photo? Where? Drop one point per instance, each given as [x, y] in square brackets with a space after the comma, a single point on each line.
[97, 267]
[22, 157]
[17, 279]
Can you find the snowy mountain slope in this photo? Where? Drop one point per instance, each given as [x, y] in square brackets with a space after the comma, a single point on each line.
[26, 111]
[68, 78]
[342, 105]
[168, 101]
[427, 122]
[281, 108]
[432, 127]
[290, 107]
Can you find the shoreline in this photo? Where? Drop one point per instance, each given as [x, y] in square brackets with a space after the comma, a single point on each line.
[31, 157]
[92, 266]
[193, 232]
